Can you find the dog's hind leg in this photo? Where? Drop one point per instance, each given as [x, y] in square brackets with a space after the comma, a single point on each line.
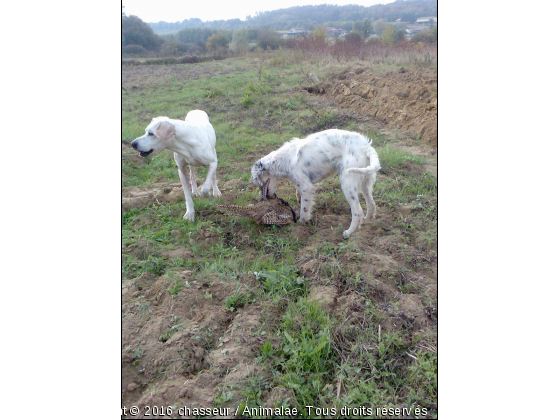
[195, 191]
[182, 169]
[367, 187]
[349, 184]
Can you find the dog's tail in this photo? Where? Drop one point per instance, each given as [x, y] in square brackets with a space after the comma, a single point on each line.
[373, 167]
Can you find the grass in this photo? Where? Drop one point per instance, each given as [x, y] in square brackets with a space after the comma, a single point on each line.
[325, 358]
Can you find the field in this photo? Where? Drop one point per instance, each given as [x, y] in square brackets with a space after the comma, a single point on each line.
[226, 313]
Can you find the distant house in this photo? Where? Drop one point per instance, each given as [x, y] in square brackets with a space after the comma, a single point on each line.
[398, 20]
[335, 32]
[426, 20]
[295, 32]
[412, 31]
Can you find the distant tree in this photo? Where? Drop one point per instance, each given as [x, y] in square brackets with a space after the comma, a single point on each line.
[136, 32]
[391, 36]
[217, 43]
[239, 41]
[268, 38]
[193, 35]
[252, 34]
[169, 48]
[320, 32]
[379, 26]
[362, 28]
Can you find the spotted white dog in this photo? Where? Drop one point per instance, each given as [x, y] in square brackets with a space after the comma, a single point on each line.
[193, 143]
[311, 160]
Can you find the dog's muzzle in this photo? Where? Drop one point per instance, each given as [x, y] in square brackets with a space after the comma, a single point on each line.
[134, 145]
[144, 154]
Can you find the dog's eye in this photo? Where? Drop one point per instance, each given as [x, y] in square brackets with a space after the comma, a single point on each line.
[150, 134]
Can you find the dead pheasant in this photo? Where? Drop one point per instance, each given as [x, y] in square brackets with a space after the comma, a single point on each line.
[274, 211]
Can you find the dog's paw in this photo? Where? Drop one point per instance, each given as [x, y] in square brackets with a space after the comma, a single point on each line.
[304, 218]
[345, 234]
[217, 193]
[189, 216]
[205, 192]
[196, 193]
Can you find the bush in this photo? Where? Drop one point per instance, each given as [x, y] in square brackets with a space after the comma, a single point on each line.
[428, 36]
[354, 39]
[379, 26]
[217, 43]
[391, 36]
[268, 38]
[240, 41]
[168, 49]
[134, 50]
[182, 47]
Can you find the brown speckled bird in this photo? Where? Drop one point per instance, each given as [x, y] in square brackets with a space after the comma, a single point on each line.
[273, 211]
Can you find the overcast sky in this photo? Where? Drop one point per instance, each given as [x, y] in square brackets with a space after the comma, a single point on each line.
[178, 10]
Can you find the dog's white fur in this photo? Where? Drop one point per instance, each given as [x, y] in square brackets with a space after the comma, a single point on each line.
[193, 143]
[311, 160]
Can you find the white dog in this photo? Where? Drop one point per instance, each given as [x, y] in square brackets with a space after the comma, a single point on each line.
[311, 160]
[193, 143]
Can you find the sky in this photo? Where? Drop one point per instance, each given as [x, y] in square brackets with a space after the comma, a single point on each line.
[178, 10]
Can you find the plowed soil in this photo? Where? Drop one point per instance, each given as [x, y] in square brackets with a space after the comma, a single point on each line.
[403, 99]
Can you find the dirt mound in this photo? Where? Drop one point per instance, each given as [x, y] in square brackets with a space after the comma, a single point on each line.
[180, 343]
[404, 99]
[136, 197]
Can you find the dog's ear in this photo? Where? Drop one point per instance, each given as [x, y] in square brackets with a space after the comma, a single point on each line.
[165, 130]
[256, 171]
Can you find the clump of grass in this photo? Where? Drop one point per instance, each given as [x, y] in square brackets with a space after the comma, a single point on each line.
[282, 284]
[389, 156]
[304, 360]
[238, 300]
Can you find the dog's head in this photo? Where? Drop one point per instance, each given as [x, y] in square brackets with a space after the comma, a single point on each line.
[158, 133]
[261, 177]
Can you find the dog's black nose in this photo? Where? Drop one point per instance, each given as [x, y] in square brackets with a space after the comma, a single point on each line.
[134, 144]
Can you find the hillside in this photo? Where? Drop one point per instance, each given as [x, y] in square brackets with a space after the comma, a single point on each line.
[309, 16]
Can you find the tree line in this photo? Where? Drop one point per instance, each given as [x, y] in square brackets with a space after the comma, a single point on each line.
[139, 39]
[308, 17]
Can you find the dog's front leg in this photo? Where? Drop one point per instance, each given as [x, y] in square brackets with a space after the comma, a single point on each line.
[209, 178]
[189, 215]
[194, 186]
[307, 192]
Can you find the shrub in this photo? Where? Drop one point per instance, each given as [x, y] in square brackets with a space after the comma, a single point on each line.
[217, 43]
[268, 38]
[379, 26]
[391, 36]
[428, 36]
[240, 41]
[183, 47]
[134, 50]
[169, 48]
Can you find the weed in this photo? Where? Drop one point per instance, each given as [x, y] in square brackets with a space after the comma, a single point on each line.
[238, 300]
